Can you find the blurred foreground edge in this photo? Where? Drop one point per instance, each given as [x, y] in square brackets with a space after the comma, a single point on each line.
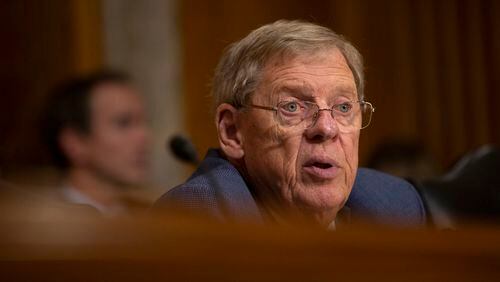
[178, 247]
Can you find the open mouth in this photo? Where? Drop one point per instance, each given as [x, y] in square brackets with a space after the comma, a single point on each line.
[323, 169]
[321, 165]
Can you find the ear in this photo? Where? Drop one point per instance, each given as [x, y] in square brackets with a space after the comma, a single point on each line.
[228, 131]
[73, 145]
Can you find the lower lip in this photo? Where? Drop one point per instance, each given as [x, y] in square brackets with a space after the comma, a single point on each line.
[322, 173]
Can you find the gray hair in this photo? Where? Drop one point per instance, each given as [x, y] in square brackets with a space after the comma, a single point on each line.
[239, 70]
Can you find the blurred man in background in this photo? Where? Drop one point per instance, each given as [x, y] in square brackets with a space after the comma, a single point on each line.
[95, 128]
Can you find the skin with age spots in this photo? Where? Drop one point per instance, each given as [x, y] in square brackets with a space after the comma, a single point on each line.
[294, 168]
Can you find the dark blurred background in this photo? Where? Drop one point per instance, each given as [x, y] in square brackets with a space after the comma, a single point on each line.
[430, 66]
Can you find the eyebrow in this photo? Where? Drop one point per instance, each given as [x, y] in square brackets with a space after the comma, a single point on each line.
[298, 91]
[304, 92]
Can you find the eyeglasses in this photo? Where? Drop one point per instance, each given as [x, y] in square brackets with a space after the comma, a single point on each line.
[349, 115]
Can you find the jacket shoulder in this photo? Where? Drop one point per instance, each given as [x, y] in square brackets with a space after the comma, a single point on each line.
[216, 188]
[189, 198]
[386, 199]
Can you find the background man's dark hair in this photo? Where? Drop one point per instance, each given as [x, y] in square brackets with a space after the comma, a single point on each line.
[68, 106]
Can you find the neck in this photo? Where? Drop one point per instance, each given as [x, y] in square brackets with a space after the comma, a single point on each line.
[96, 188]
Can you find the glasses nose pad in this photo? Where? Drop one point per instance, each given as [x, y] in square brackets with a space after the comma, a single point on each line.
[332, 115]
[314, 118]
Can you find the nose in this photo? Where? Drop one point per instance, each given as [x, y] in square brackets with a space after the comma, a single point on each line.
[324, 128]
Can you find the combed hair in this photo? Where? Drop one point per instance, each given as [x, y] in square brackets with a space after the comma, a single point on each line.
[239, 70]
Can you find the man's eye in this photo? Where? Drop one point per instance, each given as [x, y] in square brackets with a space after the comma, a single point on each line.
[291, 107]
[123, 121]
[343, 108]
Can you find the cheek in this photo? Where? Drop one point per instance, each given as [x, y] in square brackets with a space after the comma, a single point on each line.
[272, 152]
[108, 157]
[350, 147]
[285, 156]
[111, 146]
[111, 149]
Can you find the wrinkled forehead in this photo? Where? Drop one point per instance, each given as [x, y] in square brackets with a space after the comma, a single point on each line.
[326, 69]
[283, 57]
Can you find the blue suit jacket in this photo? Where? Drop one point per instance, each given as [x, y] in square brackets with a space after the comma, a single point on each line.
[218, 189]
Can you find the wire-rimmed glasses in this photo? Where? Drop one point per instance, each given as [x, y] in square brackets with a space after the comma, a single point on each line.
[349, 115]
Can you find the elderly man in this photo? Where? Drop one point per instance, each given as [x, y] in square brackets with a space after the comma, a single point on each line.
[289, 107]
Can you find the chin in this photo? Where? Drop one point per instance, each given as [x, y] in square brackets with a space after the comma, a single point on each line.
[322, 200]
